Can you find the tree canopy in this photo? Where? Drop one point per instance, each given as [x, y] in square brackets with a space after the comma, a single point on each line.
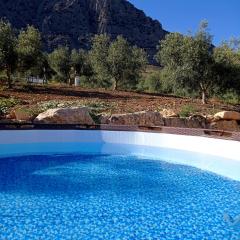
[8, 54]
[29, 49]
[189, 60]
[59, 61]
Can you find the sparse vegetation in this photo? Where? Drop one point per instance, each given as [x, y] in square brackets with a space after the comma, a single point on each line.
[6, 104]
[231, 97]
[187, 110]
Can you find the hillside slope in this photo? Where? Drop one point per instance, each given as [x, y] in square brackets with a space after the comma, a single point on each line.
[74, 22]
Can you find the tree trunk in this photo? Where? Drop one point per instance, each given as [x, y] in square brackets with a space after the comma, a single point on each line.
[115, 85]
[69, 80]
[9, 80]
[204, 101]
[44, 76]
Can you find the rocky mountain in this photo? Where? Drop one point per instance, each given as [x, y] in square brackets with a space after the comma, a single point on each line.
[74, 22]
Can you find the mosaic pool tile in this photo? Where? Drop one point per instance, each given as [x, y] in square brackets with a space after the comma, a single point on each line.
[114, 197]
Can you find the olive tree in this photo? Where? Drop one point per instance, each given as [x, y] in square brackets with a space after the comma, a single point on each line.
[59, 61]
[8, 54]
[189, 60]
[29, 48]
[227, 67]
[99, 60]
[126, 63]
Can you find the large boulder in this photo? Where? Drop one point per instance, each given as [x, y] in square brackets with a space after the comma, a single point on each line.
[195, 121]
[175, 122]
[225, 125]
[167, 113]
[77, 115]
[227, 115]
[145, 118]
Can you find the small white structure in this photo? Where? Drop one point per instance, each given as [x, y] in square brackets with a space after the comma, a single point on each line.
[37, 80]
[77, 81]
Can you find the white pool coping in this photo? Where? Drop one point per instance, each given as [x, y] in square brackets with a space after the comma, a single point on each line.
[181, 149]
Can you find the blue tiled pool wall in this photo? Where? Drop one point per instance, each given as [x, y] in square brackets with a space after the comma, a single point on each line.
[226, 167]
[216, 155]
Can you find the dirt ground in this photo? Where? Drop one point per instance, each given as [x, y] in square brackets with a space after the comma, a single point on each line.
[121, 101]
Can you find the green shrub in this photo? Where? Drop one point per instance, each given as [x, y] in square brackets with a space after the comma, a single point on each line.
[155, 82]
[6, 104]
[230, 97]
[187, 110]
[87, 82]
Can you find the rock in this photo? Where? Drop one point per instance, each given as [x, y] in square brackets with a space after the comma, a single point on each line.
[166, 113]
[5, 120]
[21, 114]
[227, 115]
[175, 122]
[196, 121]
[104, 119]
[82, 20]
[225, 125]
[11, 115]
[138, 119]
[210, 119]
[78, 115]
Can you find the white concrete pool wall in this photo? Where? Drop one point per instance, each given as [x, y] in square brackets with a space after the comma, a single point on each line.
[216, 155]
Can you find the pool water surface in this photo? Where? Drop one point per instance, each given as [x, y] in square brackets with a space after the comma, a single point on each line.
[100, 196]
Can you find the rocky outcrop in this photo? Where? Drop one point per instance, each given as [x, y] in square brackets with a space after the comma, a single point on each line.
[225, 125]
[191, 122]
[75, 22]
[196, 121]
[168, 113]
[227, 115]
[225, 120]
[78, 115]
[154, 119]
[137, 119]
[157, 119]
[174, 122]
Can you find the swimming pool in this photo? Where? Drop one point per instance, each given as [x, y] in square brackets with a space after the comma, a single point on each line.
[117, 185]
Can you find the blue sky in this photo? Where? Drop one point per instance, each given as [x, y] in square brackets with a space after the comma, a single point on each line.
[184, 15]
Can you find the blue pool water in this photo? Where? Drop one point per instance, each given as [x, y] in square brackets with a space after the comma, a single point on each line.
[114, 197]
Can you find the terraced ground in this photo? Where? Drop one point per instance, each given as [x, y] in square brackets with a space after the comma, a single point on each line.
[108, 101]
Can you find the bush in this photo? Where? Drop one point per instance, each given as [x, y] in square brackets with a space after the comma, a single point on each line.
[155, 82]
[187, 110]
[6, 104]
[87, 82]
[230, 97]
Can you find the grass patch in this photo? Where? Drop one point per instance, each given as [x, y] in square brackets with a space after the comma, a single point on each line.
[187, 110]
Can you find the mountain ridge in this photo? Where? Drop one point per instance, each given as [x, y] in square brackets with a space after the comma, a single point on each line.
[74, 22]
